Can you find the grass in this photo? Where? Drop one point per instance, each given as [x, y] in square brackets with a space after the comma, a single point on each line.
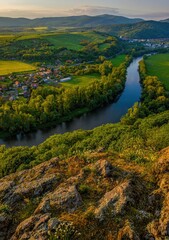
[86, 79]
[104, 46]
[8, 67]
[158, 65]
[81, 80]
[118, 60]
[72, 40]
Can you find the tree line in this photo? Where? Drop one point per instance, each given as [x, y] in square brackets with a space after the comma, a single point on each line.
[154, 98]
[50, 105]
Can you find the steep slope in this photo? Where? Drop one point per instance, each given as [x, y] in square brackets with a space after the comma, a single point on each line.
[165, 20]
[142, 30]
[104, 198]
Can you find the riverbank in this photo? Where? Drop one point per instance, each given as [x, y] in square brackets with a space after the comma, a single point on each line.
[110, 113]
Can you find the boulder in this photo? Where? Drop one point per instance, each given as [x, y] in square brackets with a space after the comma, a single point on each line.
[36, 227]
[160, 226]
[127, 232]
[5, 221]
[29, 183]
[64, 198]
[115, 201]
[103, 167]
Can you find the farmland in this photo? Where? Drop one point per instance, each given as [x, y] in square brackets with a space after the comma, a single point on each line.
[8, 67]
[118, 60]
[86, 79]
[72, 40]
[158, 65]
[81, 80]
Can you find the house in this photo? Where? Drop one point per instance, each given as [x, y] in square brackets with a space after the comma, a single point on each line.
[24, 88]
[65, 79]
[17, 84]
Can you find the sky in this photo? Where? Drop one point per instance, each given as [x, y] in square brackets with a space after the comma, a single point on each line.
[147, 9]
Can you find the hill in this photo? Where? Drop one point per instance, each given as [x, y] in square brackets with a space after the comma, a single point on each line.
[141, 30]
[107, 183]
[72, 21]
[165, 20]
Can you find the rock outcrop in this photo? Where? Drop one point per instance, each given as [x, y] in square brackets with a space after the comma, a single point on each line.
[115, 201]
[29, 183]
[64, 198]
[36, 227]
[159, 228]
[5, 221]
[103, 168]
[127, 232]
[102, 200]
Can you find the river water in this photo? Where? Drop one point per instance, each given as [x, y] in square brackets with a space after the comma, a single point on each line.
[110, 113]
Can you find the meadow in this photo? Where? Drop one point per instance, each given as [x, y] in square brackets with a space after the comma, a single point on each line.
[118, 60]
[73, 40]
[81, 80]
[86, 79]
[158, 65]
[67, 40]
[8, 67]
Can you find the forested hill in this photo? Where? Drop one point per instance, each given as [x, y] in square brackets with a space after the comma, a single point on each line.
[141, 30]
[165, 20]
[72, 21]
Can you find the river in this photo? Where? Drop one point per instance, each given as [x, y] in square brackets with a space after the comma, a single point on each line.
[110, 113]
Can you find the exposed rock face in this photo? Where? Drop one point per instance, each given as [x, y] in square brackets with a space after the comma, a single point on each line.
[28, 183]
[103, 167]
[127, 233]
[33, 188]
[114, 202]
[127, 205]
[36, 227]
[160, 227]
[5, 221]
[65, 198]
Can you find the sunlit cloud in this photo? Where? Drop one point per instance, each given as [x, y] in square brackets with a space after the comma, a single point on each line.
[156, 16]
[92, 10]
[33, 13]
[36, 12]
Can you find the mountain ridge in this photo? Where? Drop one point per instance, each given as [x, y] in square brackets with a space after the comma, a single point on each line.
[70, 21]
[141, 30]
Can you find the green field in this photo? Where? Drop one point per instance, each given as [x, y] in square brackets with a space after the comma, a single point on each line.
[118, 60]
[104, 46]
[158, 65]
[81, 80]
[72, 40]
[8, 67]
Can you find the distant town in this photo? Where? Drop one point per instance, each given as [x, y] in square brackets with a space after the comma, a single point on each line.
[149, 43]
[13, 86]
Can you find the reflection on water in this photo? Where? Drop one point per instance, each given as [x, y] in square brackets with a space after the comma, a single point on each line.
[110, 113]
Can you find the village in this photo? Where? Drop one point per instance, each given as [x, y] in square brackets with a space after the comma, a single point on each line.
[14, 86]
[149, 43]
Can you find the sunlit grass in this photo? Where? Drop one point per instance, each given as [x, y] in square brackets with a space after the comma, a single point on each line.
[8, 67]
[158, 65]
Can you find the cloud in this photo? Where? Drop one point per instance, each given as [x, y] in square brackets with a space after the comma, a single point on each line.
[30, 13]
[92, 10]
[156, 16]
[146, 15]
[34, 13]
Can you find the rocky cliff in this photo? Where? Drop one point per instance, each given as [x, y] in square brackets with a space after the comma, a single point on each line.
[102, 198]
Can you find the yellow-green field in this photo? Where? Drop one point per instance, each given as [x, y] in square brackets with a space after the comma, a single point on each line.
[118, 60]
[8, 67]
[81, 80]
[87, 79]
[158, 65]
[73, 40]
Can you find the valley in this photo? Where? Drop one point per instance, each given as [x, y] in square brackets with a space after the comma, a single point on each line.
[84, 122]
